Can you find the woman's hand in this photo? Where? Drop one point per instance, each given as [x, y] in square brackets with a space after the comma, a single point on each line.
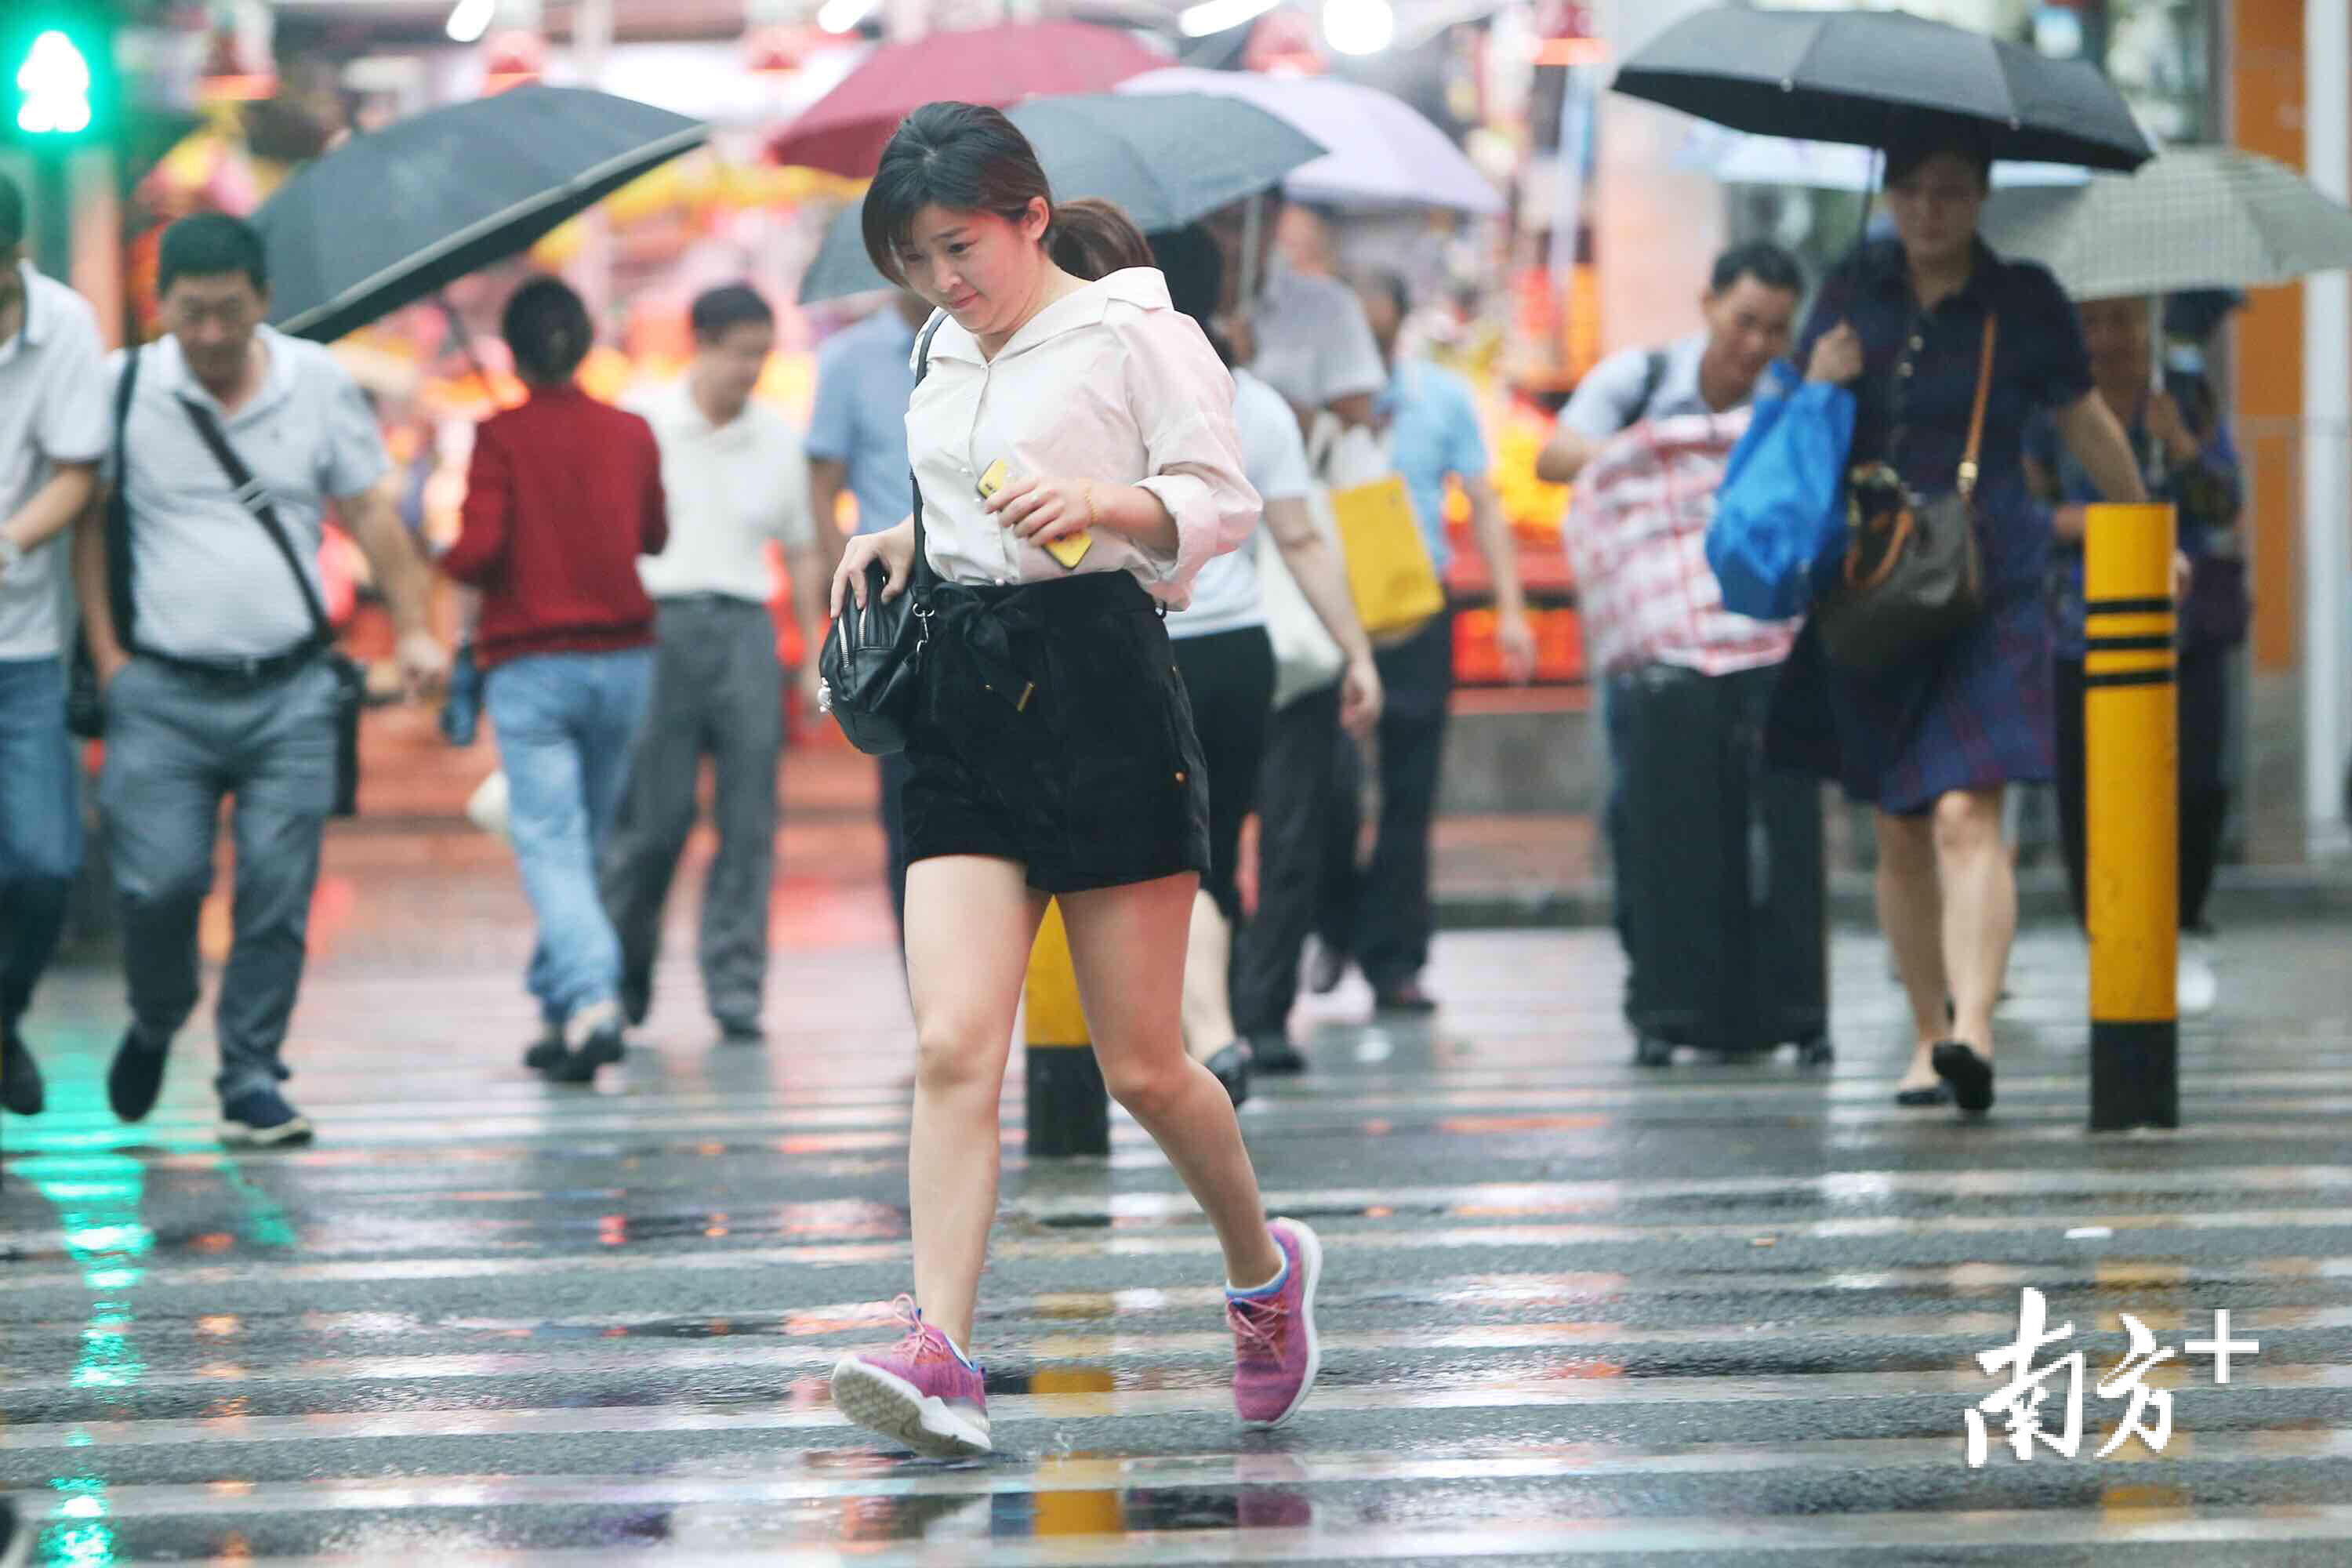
[1042, 509]
[894, 547]
[1837, 355]
[2165, 423]
[1361, 697]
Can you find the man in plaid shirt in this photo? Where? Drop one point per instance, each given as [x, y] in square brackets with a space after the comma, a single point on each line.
[1646, 439]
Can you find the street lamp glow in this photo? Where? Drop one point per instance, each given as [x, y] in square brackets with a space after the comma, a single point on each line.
[1359, 26]
[841, 15]
[54, 80]
[472, 19]
[1216, 15]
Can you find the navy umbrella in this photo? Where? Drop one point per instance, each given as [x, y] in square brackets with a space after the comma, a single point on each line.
[1166, 158]
[389, 217]
[1870, 77]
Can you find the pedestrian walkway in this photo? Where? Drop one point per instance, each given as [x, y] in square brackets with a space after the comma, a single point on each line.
[1574, 1312]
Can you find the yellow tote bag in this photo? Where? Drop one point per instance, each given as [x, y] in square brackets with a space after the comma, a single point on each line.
[1389, 574]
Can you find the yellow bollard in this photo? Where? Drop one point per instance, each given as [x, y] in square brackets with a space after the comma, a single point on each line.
[2131, 745]
[1069, 1111]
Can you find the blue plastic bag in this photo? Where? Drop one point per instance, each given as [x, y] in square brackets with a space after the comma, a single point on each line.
[1780, 514]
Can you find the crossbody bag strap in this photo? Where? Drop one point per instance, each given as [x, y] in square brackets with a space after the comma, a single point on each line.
[256, 501]
[1977, 414]
[119, 599]
[922, 567]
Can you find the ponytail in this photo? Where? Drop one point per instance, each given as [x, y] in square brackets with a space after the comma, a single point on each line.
[1091, 239]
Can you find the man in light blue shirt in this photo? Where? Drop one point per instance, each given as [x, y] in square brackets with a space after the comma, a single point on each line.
[857, 440]
[1382, 916]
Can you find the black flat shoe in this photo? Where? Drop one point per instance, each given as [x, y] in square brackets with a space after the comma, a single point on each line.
[1969, 1075]
[1933, 1094]
[1275, 1053]
[1232, 1067]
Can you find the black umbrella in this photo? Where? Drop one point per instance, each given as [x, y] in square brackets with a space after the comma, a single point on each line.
[1166, 158]
[388, 217]
[1868, 78]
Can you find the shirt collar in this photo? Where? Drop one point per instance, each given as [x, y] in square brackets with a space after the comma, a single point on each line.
[1884, 269]
[1143, 286]
[276, 375]
[36, 328]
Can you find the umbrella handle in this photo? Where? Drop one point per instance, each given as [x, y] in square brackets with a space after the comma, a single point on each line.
[465, 341]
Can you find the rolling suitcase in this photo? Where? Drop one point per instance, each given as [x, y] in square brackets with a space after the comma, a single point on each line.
[1723, 909]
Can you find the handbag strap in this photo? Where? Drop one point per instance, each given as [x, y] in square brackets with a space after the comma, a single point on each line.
[1977, 414]
[254, 499]
[922, 572]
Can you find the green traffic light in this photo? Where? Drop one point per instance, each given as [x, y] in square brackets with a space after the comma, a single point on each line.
[55, 83]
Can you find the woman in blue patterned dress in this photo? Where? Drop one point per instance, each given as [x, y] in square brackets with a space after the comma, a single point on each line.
[1933, 742]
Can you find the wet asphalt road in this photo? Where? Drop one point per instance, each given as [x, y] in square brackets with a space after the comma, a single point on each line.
[1574, 1312]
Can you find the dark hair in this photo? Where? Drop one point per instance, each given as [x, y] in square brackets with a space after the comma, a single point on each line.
[11, 215]
[206, 244]
[547, 330]
[1388, 281]
[718, 311]
[1762, 261]
[960, 156]
[1195, 269]
[1903, 157]
[1093, 240]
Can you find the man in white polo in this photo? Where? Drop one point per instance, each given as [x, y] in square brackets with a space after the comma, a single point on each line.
[216, 679]
[738, 482]
[53, 428]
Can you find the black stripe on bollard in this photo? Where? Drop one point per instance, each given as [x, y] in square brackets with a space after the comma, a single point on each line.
[2160, 642]
[2158, 677]
[1069, 1110]
[2134, 1074]
[2154, 606]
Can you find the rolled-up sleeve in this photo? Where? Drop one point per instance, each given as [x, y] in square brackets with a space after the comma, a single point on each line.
[1181, 399]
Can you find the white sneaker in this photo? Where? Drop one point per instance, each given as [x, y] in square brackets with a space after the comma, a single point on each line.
[2195, 987]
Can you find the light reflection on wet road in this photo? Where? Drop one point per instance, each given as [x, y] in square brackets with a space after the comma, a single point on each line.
[1574, 1312]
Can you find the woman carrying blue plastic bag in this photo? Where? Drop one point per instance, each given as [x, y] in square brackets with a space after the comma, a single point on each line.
[1933, 738]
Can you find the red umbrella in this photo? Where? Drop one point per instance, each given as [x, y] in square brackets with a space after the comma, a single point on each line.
[843, 133]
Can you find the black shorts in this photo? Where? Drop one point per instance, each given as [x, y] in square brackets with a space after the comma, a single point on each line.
[1228, 676]
[1055, 734]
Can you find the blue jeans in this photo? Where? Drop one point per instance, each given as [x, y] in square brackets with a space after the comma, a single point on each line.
[40, 825]
[566, 724]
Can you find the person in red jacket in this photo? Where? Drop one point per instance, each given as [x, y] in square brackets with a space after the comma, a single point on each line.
[563, 495]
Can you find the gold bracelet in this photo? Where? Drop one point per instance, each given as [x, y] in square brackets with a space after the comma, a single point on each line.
[1089, 484]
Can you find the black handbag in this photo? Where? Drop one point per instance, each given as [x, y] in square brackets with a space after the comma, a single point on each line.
[1913, 575]
[85, 703]
[870, 667]
[350, 680]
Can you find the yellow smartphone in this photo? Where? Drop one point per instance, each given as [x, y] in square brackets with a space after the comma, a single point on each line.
[1069, 550]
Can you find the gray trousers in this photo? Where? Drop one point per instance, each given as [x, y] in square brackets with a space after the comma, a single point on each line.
[175, 745]
[719, 691]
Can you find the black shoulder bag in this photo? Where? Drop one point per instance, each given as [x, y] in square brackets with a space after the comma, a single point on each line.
[85, 703]
[870, 666]
[351, 683]
[1914, 573]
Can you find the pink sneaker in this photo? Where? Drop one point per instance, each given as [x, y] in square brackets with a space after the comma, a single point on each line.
[919, 1392]
[1275, 1350]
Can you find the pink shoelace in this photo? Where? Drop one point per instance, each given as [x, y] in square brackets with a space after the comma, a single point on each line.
[1257, 1328]
[918, 1333]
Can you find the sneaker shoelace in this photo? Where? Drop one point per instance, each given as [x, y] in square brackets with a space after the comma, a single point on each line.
[1257, 1328]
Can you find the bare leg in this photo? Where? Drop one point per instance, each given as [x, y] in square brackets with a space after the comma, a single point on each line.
[970, 925]
[1911, 913]
[1208, 1008]
[1126, 944]
[1979, 907]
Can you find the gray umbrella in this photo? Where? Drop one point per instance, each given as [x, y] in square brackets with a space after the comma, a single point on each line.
[388, 217]
[2196, 217]
[1168, 159]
